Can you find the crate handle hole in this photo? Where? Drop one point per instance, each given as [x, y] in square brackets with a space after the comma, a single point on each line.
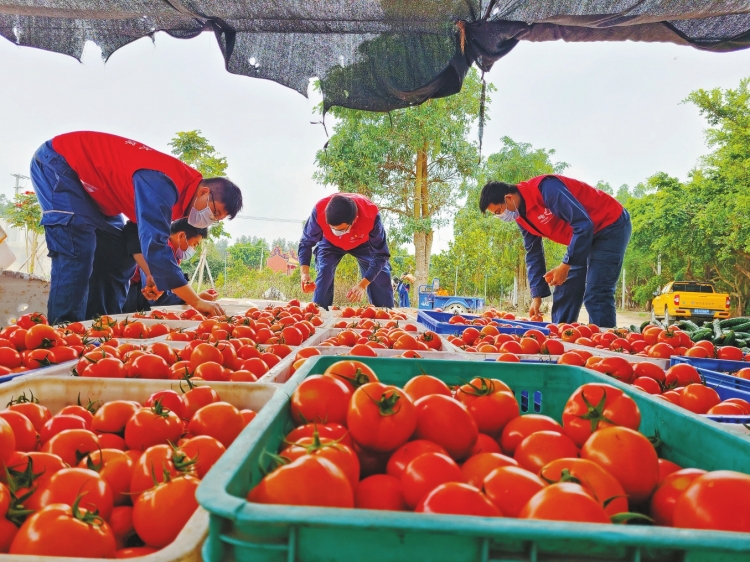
[524, 401]
[537, 401]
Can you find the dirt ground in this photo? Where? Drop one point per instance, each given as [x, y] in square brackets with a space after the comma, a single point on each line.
[624, 318]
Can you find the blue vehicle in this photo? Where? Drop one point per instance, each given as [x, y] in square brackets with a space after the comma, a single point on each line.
[432, 297]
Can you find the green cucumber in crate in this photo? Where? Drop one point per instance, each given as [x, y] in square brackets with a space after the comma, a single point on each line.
[251, 532]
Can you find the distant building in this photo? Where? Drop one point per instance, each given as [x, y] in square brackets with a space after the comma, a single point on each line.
[283, 262]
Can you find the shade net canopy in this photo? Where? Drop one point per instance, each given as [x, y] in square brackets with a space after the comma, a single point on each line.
[376, 55]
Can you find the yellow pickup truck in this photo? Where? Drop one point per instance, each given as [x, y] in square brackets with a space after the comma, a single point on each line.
[689, 299]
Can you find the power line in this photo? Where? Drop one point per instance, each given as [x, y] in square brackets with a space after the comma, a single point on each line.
[269, 219]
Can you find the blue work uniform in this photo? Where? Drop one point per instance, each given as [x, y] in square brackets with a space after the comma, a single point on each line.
[595, 259]
[91, 268]
[403, 294]
[372, 257]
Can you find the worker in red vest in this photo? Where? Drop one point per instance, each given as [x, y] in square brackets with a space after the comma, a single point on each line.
[340, 224]
[86, 182]
[592, 224]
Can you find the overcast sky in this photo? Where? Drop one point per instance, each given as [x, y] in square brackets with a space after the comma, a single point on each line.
[610, 110]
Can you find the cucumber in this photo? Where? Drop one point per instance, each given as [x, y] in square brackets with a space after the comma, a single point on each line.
[742, 327]
[690, 326]
[729, 338]
[701, 334]
[732, 322]
[740, 343]
[634, 329]
[717, 329]
[742, 335]
[643, 326]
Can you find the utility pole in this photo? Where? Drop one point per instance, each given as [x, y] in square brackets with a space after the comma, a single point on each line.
[18, 187]
[623, 289]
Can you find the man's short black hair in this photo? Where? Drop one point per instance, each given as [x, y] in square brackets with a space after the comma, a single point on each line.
[225, 192]
[494, 193]
[182, 225]
[340, 210]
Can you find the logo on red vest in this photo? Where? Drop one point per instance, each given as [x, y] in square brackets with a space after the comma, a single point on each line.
[354, 237]
[545, 217]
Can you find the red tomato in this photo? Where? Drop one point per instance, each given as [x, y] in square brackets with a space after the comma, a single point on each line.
[352, 373]
[170, 400]
[564, 502]
[70, 444]
[116, 468]
[341, 455]
[10, 358]
[719, 500]
[153, 463]
[197, 397]
[446, 422]
[381, 417]
[380, 491]
[220, 420]
[628, 456]
[616, 367]
[321, 398]
[671, 488]
[30, 320]
[159, 514]
[27, 438]
[543, 447]
[647, 384]
[477, 467]
[106, 367]
[68, 484]
[309, 480]
[698, 398]
[599, 483]
[490, 403]
[113, 416]
[521, 427]
[42, 336]
[681, 374]
[485, 444]
[424, 385]
[332, 431]
[457, 498]
[61, 530]
[402, 456]
[666, 468]
[730, 353]
[596, 405]
[152, 426]
[426, 472]
[203, 353]
[511, 487]
[204, 450]
[571, 358]
[650, 370]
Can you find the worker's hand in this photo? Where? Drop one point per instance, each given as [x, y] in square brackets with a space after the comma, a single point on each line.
[209, 295]
[208, 308]
[356, 293]
[557, 275]
[308, 286]
[536, 305]
[150, 291]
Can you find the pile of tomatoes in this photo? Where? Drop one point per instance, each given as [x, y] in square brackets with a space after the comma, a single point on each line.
[370, 312]
[235, 360]
[488, 316]
[489, 339]
[363, 342]
[468, 451]
[112, 479]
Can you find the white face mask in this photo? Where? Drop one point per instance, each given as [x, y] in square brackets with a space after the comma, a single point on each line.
[201, 219]
[507, 215]
[189, 253]
[340, 232]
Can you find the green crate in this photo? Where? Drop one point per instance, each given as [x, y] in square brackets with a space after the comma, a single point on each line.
[243, 531]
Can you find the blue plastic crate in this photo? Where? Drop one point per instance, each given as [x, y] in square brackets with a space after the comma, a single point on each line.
[438, 323]
[716, 365]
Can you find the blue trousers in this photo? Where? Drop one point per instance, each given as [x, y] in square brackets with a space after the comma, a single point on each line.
[594, 283]
[91, 268]
[327, 258]
[136, 302]
[403, 297]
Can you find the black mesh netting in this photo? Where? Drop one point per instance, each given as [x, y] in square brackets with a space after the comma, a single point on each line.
[372, 54]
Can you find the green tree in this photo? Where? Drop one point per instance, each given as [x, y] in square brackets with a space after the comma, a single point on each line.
[488, 251]
[25, 213]
[251, 252]
[410, 162]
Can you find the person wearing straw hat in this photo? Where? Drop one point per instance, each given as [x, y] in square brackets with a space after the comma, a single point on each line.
[404, 285]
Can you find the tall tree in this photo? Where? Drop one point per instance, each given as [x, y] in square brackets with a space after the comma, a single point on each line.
[25, 213]
[197, 152]
[410, 162]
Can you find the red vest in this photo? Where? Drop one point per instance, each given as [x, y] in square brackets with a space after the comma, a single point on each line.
[601, 207]
[367, 211]
[105, 164]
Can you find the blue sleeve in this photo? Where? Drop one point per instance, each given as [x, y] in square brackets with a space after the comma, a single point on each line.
[535, 264]
[563, 205]
[378, 250]
[311, 235]
[155, 195]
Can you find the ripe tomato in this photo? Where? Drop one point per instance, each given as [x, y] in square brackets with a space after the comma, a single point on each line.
[164, 351]
[425, 473]
[671, 488]
[321, 398]
[37, 358]
[599, 483]
[113, 416]
[666, 468]
[71, 444]
[160, 514]
[148, 367]
[153, 464]
[681, 374]
[699, 398]
[661, 350]
[628, 456]
[62, 530]
[521, 427]
[135, 330]
[27, 438]
[564, 502]
[68, 484]
[457, 498]
[352, 373]
[197, 397]
[485, 444]
[410, 450]
[341, 455]
[309, 480]
[203, 353]
[543, 447]
[424, 385]
[571, 358]
[379, 491]
[116, 468]
[381, 417]
[596, 405]
[511, 487]
[617, 368]
[152, 426]
[332, 431]
[448, 423]
[490, 403]
[10, 358]
[730, 353]
[106, 367]
[204, 450]
[220, 420]
[27, 321]
[431, 339]
[37, 414]
[170, 400]
[718, 500]
[552, 347]
[42, 336]
[647, 384]
[476, 468]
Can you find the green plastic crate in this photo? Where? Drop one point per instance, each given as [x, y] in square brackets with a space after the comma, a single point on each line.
[244, 531]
